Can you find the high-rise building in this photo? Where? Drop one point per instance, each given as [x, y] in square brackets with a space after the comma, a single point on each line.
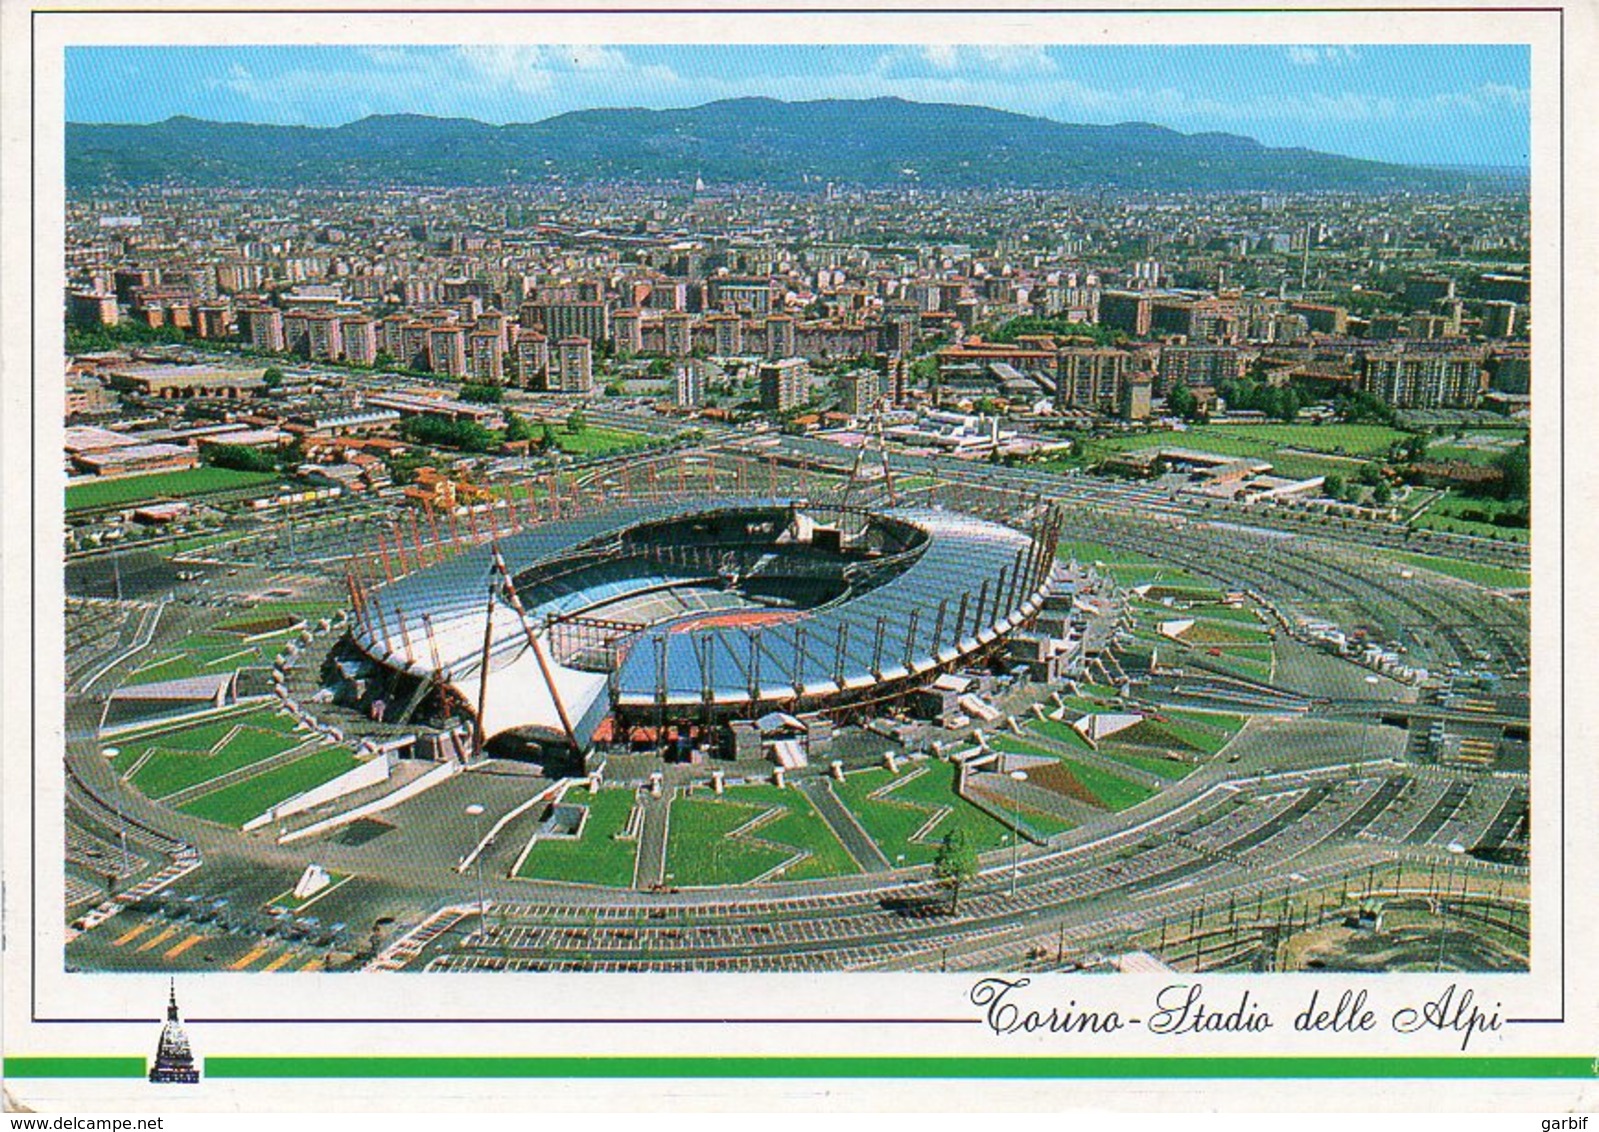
[1091, 378]
[1423, 379]
[779, 337]
[1422, 291]
[689, 386]
[628, 327]
[1127, 311]
[1510, 371]
[213, 323]
[1323, 318]
[728, 333]
[1198, 365]
[415, 352]
[783, 384]
[1499, 319]
[447, 350]
[324, 338]
[262, 328]
[900, 329]
[746, 296]
[860, 391]
[91, 308]
[360, 340]
[532, 359]
[494, 322]
[591, 320]
[485, 358]
[679, 331]
[297, 333]
[574, 369]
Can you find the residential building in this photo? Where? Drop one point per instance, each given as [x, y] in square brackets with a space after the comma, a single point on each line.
[783, 384]
[574, 371]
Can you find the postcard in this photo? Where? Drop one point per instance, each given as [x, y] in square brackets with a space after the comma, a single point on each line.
[777, 557]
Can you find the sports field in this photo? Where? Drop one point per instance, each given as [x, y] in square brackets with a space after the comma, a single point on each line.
[749, 833]
[126, 491]
[597, 441]
[598, 856]
[234, 805]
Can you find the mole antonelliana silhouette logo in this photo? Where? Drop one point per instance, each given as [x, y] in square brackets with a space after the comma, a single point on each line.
[174, 1060]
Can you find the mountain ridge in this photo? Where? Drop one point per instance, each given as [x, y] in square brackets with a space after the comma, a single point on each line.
[871, 142]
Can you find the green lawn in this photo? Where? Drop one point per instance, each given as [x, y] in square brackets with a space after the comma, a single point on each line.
[125, 491]
[699, 850]
[1212, 720]
[199, 739]
[803, 828]
[1169, 769]
[234, 805]
[597, 441]
[1498, 577]
[1233, 613]
[1059, 732]
[167, 771]
[597, 857]
[1209, 632]
[1449, 514]
[892, 820]
[1115, 794]
[202, 654]
[1341, 439]
[1086, 551]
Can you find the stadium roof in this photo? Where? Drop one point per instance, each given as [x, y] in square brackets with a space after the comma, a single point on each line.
[963, 582]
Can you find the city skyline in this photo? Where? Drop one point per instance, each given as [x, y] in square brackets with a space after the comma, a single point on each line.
[1400, 103]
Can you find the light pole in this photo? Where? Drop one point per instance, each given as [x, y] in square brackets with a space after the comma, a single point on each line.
[1018, 777]
[110, 755]
[475, 810]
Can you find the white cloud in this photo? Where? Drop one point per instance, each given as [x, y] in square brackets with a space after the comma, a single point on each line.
[1304, 56]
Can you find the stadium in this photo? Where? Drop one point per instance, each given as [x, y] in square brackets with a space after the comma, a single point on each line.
[665, 617]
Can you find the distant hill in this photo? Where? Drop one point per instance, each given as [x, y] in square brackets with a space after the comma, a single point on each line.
[876, 142]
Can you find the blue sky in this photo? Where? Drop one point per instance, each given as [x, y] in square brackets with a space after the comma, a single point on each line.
[1410, 103]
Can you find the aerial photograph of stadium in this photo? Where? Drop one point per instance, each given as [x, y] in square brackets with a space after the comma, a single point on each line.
[775, 509]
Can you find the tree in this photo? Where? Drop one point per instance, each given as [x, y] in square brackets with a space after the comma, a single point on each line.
[1333, 486]
[1516, 465]
[483, 393]
[272, 377]
[954, 864]
[517, 427]
[1382, 494]
[1181, 400]
[576, 422]
[469, 436]
[240, 458]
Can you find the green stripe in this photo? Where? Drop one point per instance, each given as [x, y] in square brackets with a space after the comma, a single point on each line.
[75, 1067]
[1027, 1068]
[976, 1068]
